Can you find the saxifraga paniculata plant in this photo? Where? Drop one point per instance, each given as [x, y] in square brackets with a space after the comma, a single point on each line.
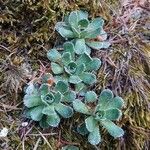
[73, 73]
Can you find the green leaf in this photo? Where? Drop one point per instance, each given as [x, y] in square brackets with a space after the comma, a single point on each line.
[93, 29]
[74, 79]
[49, 110]
[94, 65]
[43, 89]
[53, 55]
[36, 113]
[90, 96]
[58, 97]
[112, 114]
[56, 68]
[88, 78]
[80, 107]
[80, 46]
[62, 86]
[32, 100]
[91, 123]
[66, 58]
[46, 77]
[82, 14]
[71, 68]
[104, 98]
[116, 102]
[43, 123]
[84, 59]
[113, 129]
[98, 45]
[73, 19]
[64, 30]
[83, 23]
[80, 69]
[30, 89]
[53, 120]
[70, 147]
[80, 87]
[48, 98]
[63, 110]
[81, 129]
[94, 137]
[69, 47]
[69, 96]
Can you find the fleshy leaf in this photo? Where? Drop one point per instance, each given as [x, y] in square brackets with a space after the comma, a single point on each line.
[113, 129]
[84, 58]
[93, 29]
[94, 137]
[81, 129]
[94, 65]
[36, 113]
[63, 110]
[62, 86]
[70, 147]
[64, 30]
[56, 68]
[80, 86]
[69, 47]
[116, 102]
[43, 89]
[58, 97]
[43, 123]
[82, 14]
[53, 120]
[32, 100]
[75, 79]
[90, 96]
[80, 46]
[53, 55]
[49, 110]
[98, 45]
[104, 98]
[66, 58]
[71, 68]
[91, 123]
[30, 89]
[88, 78]
[80, 69]
[48, 98]
[83, 23]
[73, 19]
[69, 96]
[112, 114]
[79, 106]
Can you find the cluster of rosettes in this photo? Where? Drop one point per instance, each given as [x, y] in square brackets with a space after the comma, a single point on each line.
[74, 74]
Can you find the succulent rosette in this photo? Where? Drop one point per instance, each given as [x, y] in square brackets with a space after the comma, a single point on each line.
[106, 111]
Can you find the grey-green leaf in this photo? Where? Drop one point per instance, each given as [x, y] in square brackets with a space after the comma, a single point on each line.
[91, 123]
[94, 137]
[88, 78]
[62, 86]
[36, 113]
[90, 96]
[94, 65]
[75, 79]
[56, 68]
[79, 106]
[113, 129]
[63, 110]
[66, 58]
[69, 96]
[32, 100]
[54, 55]
[49, 110]
[112, 114]
[53, 120]
[81, 129]
[98, 45]
[80, 46]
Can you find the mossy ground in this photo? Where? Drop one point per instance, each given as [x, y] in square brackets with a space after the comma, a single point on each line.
[27, 32]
